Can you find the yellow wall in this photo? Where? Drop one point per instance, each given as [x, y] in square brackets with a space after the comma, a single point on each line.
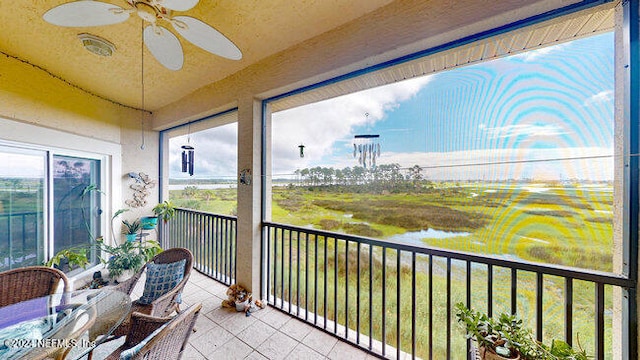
[40, 110]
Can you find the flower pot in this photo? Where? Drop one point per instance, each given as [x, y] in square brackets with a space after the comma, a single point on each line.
[126, 274]
[488, 355]
[131, 237]
[149, 222]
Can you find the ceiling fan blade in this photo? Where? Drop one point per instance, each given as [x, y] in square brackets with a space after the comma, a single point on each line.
[164, 46]
[85, 13]
[206, 37]
[178, 5]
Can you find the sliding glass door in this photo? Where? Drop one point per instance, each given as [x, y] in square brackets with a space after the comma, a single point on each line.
[76, 202]
[22, 194]
[41, 187]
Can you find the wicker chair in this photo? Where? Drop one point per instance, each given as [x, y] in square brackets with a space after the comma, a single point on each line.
[30, 282]
[166, 304]
[167, 343]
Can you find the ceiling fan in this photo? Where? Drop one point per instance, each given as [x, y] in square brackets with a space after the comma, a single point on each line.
[161, 42]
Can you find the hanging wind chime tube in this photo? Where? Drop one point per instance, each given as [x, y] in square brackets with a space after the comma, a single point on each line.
[188, 154]
[187, 159]
[367, 149]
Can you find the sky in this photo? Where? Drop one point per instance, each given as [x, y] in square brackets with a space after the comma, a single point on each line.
[501, 119]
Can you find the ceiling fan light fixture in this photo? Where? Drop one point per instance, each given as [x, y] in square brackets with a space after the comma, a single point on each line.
[96, 44]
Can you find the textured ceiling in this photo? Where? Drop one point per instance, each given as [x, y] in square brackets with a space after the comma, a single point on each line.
[260, 28]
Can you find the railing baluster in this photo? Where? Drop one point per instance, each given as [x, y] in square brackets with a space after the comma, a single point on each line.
[275, 265]
[290, 268]
[315, 279]
[430, 276]
[468, 295]
[398, 301]
[568, 310]
[514, 291]
[358, 270]
[448, 308]
[413, 304]
[235, 249]
[539, 303]
[599, 334]
[267, 243]
[226, 253]
[216, 252]
[346, 289]
[335, 286]
[384, 300]
[370, 296]
[490, 290]
[324, 303]
[282, 294]
[306, 276]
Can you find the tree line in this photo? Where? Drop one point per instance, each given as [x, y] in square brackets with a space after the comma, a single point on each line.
[381, 177]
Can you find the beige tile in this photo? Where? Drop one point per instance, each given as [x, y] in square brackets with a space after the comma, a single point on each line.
[320, 341]
[202, 326]
[190, 353]
[256, 334]
[232, 350]
[277, 346]
[273, 317]
[211, 340]
[221, 315]
[255, 356]
[223, 333]
[343, 350]
[296, 329]
[237, 323]
[303, 352]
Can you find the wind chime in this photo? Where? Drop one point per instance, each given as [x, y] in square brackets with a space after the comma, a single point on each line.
[367, 149]
[188, 154]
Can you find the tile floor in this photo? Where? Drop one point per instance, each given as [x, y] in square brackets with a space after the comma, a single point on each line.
[223, 333]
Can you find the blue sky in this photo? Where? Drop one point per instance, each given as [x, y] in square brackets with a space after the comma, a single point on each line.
[554, 102]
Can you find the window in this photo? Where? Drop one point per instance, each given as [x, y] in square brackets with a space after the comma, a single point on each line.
[511, 157]
[75, 209]
[27, 177]
[22, 194]
[212, 186]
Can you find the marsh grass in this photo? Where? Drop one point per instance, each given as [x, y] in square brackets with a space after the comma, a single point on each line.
[562, 225]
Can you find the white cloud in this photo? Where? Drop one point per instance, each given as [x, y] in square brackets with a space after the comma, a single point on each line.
[215, 153]
[522, 130]
[605, 96]
[532, 55]
[320, 126]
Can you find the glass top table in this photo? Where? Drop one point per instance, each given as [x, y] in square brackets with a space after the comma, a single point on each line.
[66, 325]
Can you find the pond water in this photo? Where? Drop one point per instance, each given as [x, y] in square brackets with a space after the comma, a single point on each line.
[415, 237]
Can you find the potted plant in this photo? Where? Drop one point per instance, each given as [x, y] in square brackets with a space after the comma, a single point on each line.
[130, 229]
[128, 257]
[506, 338]
[495, 339]
[149, 222]
[165, 211]
[68, 259]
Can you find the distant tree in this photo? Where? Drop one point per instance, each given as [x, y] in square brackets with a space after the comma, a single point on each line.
[189, 191]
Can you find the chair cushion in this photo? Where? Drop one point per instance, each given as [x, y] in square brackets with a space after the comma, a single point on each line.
[133, 351]
[161, 278]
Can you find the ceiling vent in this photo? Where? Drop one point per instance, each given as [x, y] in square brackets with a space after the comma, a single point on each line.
[96, 45]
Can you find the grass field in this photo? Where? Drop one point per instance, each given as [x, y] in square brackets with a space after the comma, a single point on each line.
[567, 225]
